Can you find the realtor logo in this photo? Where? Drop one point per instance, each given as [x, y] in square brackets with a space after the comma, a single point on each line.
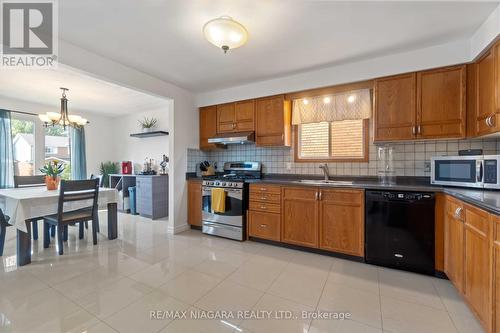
[29, 33]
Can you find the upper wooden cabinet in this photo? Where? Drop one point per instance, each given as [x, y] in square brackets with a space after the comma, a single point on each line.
[424, 105]
[273, 121]
[236, 117]
[395, 107]
[208, 126]
[486, 100]
[441, 104]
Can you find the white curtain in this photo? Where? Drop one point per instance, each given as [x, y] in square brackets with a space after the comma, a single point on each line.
[352, 105]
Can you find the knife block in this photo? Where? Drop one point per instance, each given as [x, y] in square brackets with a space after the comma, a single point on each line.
[210, 172]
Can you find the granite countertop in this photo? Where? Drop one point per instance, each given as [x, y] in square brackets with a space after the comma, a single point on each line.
[488, 200]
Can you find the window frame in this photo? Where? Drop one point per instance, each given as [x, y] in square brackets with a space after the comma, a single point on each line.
[365, 158]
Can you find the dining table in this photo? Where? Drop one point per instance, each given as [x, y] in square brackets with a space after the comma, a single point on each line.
[25, 204]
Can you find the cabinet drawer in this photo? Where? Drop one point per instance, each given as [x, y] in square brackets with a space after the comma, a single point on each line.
[265, 197]
[350, 197]
[301, 193]
[264, 188]
[244, 126]
[226, 127]
[264, 225]
[265, 207]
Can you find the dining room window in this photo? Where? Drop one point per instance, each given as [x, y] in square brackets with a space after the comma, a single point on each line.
[57, 148]
[335, 141]
[24, 145]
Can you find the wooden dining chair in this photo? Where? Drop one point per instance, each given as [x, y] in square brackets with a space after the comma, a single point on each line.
[72, 192]
[30, 181]
[3, 230]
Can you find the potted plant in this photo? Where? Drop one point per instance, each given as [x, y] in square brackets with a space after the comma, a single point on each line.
[52, 172]
[148, 124]
[106, 169]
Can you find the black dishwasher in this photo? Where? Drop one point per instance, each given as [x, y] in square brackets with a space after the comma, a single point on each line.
[399, 230]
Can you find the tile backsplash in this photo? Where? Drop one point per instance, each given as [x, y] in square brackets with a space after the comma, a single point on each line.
[409, 158]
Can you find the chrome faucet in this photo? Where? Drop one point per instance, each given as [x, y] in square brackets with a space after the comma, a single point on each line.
[326, 172]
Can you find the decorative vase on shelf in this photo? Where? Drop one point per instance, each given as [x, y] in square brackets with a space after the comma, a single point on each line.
[52, 183]
[147, 129]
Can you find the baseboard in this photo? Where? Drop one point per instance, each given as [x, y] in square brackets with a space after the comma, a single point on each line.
[178, 229]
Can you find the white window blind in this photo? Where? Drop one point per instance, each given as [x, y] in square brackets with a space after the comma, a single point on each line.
[331, 140]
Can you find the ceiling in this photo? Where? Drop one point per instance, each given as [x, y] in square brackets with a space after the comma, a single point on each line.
[163, 38]
[86, 93]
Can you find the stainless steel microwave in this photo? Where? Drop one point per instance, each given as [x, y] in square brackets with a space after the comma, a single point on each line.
[479, 171]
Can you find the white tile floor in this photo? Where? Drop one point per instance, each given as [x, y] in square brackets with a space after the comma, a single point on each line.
[112, 287]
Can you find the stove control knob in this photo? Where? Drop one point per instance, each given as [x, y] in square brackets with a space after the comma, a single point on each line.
[223, 184]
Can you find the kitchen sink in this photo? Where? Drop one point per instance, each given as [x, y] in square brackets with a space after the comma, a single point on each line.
[324, 182]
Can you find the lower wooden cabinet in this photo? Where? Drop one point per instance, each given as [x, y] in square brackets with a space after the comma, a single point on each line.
[194, 202]
[470, 257]
[478, 263]
[264, 225]
[495, 223]
[341, 221]
[300, 216]
[454, 242]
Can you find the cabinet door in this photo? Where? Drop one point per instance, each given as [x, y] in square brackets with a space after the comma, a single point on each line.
[300, 216]
[194, 203]
[208, 126]
[441, 103]
[496, 271]
[245, 115]
[478, 263]
[264, 225]
[395, 108]
[273, 122]
[454, 244]
[486, 121]
[226, 121]
[341, 221]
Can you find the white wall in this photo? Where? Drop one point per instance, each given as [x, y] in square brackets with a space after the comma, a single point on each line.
[486, 33]
[430, 57]
[98, 137]
[126, 148]
[183, 133]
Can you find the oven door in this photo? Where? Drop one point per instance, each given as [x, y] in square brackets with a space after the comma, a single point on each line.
[457, 171]
[234, 207]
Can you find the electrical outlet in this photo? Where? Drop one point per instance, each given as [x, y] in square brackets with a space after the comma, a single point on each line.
[427, 166]
[288, 166]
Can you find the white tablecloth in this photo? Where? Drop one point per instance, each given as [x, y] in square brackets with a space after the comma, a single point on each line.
[22, 204]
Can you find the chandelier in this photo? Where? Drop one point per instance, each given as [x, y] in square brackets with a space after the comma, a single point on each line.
[62, 117]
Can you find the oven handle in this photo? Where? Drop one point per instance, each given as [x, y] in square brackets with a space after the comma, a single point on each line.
[215, 225]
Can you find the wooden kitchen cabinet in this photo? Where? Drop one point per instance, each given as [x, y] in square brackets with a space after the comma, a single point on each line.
[341, 221]
[478, 264]
[194, 203]
[236, 117]
[495, 220]
[486, 106]
[264, 212]
[395, 107]
[208, 126]
[424, 105]
[300, 221]
[273, 121]
[454, 242]
[441, 104]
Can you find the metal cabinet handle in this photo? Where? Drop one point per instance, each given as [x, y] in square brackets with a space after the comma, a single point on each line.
[234, 125]
[263, 225]
[414, 130]
[419, 129]
[316, 195]
[263, 207]
[489, 121]
[263, 198]
[263, 189]
[320, 195]
[458, 212]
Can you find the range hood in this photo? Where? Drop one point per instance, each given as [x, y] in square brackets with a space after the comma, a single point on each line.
[233, 138]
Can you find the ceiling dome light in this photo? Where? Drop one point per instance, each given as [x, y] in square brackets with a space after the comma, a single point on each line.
[351, 98]
[225, 33]
[327, 100]
[305, 101]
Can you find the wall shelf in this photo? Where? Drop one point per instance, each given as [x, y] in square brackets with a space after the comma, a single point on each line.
[148, 134]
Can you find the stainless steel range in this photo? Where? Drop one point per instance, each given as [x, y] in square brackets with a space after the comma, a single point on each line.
[230, 222]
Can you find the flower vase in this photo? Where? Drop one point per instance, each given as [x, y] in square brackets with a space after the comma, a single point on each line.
[52, 183]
